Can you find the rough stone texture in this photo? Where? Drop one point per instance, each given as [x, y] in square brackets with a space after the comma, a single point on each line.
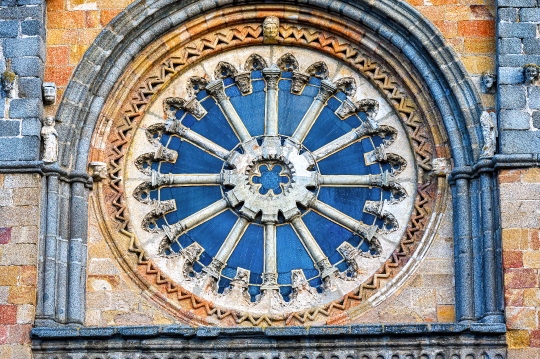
[18, 250]
[521, 260]
[21, 28]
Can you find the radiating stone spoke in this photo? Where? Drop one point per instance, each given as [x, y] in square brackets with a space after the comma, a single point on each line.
[347, 180]
[198, 140]
[178, 180]
[195, 219]
[325, 91]
[271, 76]
[385, 180]
[217, 90]
[311, 245]
[270, 257]
[340, 143]
[356, 227]
[226, 249]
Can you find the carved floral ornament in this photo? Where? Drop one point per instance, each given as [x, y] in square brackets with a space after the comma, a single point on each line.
[265, 185]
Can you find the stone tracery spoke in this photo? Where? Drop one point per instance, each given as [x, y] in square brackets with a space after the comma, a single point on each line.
[217, 90]
[185, 225]
[385, 180]
[340, 143]
[357, 227]
[270, 257]
[197, 140]
[227, 248]
[319, 258]
[271, 75]
[173, 180]
[326, 90]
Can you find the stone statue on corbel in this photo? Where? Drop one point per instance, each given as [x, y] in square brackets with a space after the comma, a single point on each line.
[488, 121]
[49, 138]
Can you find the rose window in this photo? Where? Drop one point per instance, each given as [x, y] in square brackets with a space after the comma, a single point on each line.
[268, 188]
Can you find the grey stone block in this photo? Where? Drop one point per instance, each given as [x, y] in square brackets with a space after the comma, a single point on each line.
[514, 120]
[510, 75]
[531, 46]
[529, 15]
[517, 3]
[26, 108]
[138, 331]
[10, 128]
[508, 14]
[517, 29]
[9, 28]
[32, 28]
[534, 97]
[19, 149]
[30, 87]
[512, 97]
[518, 60]
[21, 12]
[29, 2]
[28, 66]
[513, 141]
[510, 46]
[96, 332]
[28, 46]
[9, 2]
[31, 127]
[536, 119]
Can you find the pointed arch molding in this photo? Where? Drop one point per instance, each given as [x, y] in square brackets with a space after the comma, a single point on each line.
[147, 45]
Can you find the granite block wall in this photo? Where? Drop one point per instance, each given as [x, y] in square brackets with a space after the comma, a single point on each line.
[19, 223]
[22, 37]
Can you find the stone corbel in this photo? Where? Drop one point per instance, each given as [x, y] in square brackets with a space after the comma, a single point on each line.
[98, 171]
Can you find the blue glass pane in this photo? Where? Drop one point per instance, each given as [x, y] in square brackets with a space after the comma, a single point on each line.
[291, 108]
[327, 234]
[349, 161]
[291, 255]
[251, 109]
[349, 200]
[189, 200]
[249, 253]
[326, 128]
[211, 234]
[215, 126]
[185, 163]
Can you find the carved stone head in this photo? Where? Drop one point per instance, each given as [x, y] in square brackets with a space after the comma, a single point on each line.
[531, 73]
[271, 29]
[48, 121]
[49, 93]
[441, 166]
[488, 81]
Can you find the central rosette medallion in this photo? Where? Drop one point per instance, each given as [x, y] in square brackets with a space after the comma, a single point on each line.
[271, 178]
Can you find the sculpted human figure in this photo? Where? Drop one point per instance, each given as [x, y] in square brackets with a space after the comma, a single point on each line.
[50, 140]
[489, 131]
[271, 30]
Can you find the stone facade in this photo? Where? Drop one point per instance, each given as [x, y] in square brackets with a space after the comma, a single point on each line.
[68, 269]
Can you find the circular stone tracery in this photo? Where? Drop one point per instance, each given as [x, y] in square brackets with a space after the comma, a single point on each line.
[312, 250]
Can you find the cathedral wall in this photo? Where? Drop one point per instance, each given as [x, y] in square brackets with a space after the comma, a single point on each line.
[19, 231]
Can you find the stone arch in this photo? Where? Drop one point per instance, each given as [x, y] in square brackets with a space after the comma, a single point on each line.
[422, 44]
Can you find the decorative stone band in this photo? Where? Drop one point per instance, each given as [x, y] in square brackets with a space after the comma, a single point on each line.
[433, 341]
[416, 114]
